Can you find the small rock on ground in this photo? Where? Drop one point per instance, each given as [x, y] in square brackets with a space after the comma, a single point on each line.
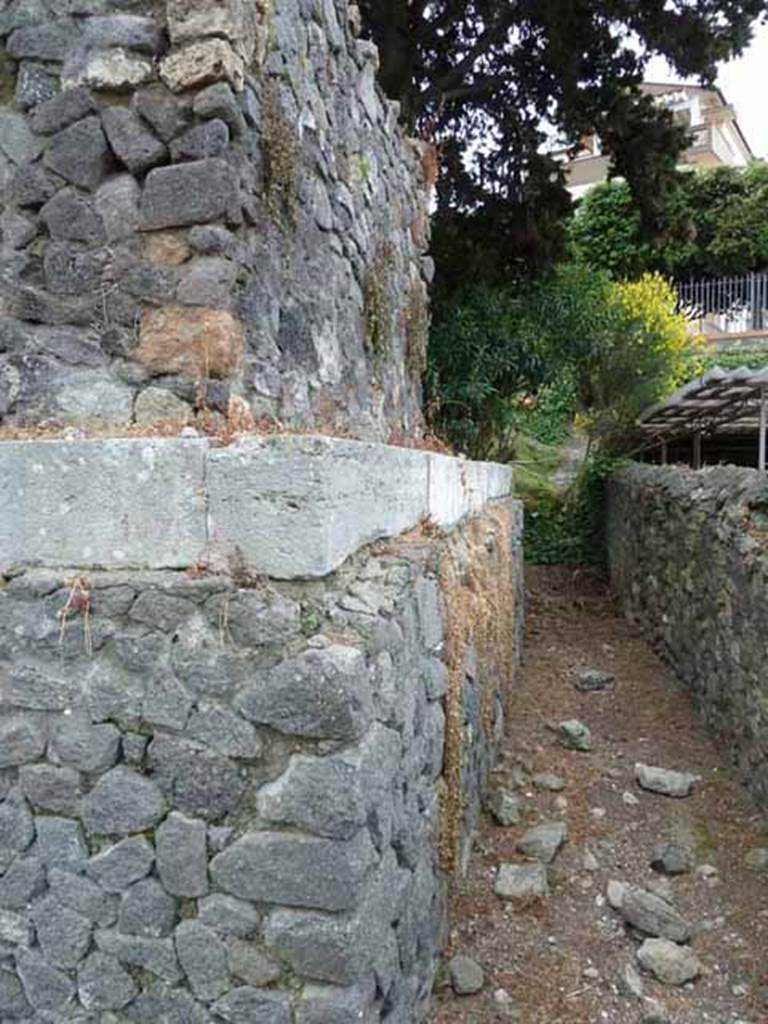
[542, 842]
[630, 982]
[589, 680]
[671, 859]
[757, 858]
[648, 912]
[669, 963]
[506, 808]
[574, 735]
[549, 781]
[520, 881]
[664, 781]
[466, 975]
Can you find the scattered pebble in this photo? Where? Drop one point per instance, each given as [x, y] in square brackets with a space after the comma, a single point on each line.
[574, 735]
[519, 881]
[669, 963]
[506, 807]
[661, 780]
[671, 859]
[757, 858]
[629, 798]
[594, 679]
[546, 780]
[466, 975]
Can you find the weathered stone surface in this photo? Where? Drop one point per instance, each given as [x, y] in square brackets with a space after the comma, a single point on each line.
[22, 739]
[34, 85]
[295, 870]
[17, 142]
[13, 1002]
[194, 342]
[543, 841]
[147, 909]
[59, 843]
[16, 828]
[506, 808]
[15, 929]
[50, 788]
[131, 141]
[45, 987]
[204, 958]
[77, 742]
[208, 282]
[329, 1004]
[322, 693]
[117, 203]
[102, 984]
[161, 110]
[83, 896]
[63, 934]
[320, 795]
[547, 780]
[69, 216]
[79, 153]
[115, 70]
[223, 731]
[218, 101]
[116, 867]
[251, 964]
[49, 41]
[668, 962]
[201, 783]
[652, 914]
[757, 858]
[155, 955]
[661, 780]
[204, 140]
[123, 30]
[190, 193]
[61, 111]
[122, 802]
[181, 855]
[228, 915]
[521, 881]
[251, 1006]
[24, 879]
[118, 488]
[200, 63]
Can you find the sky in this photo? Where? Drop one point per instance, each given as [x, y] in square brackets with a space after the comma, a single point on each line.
[744, 82]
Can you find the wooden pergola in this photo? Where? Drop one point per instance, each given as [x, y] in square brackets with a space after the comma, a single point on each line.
[720, 402]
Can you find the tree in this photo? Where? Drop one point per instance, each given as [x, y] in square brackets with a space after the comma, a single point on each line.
[715, 225]
[481, 77]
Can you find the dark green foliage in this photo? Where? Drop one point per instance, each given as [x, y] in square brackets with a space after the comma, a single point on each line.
[480, 77]
[492, 347]
[714, 224]
[569, 528]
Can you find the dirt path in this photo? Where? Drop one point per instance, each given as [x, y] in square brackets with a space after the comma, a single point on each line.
[561, 958]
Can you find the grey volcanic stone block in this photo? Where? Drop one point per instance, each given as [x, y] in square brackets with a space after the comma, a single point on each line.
[70, 216]
[130, 31]
[61, 111]
[185, 194]
[102, 984]
[329, 1004]
[23, 880]
[201, 783]
[63, 934]
[323, 693]
[147, 909]
[50, 788]
[182, 863]
[122, 802]
[251, 965]
[204, 957]
[295, 870]
[77, 742]
[60, 843]
[131, 141]
[166, 1005]
[204, 140]
[82, 895]
[318, 794]
[45, 987]
[119, 866]
[155, 955]
[16, 828]
[79, 153]
[252, 1006]
[109, 503]
[311, 501]
[22, 739]
[224, 731]
[228, 915]
[13, 1002]
[48, 41]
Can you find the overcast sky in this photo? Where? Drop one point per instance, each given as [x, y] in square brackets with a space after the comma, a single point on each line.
[744, 82]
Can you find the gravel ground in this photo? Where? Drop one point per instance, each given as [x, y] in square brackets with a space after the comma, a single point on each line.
[561, 958]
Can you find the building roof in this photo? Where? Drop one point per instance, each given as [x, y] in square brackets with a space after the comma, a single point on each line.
[662, 88]
[722, 401]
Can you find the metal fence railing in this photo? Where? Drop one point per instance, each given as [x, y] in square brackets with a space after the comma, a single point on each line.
[727, 303]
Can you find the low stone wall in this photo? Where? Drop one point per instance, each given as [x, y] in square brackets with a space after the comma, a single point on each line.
[688, 558]
[226, 797]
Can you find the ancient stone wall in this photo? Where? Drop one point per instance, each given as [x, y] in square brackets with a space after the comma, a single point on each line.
[206, 198]
[228, 798]
[689, 559]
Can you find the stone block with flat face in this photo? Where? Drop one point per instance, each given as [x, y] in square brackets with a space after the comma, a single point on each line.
[112, 503]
